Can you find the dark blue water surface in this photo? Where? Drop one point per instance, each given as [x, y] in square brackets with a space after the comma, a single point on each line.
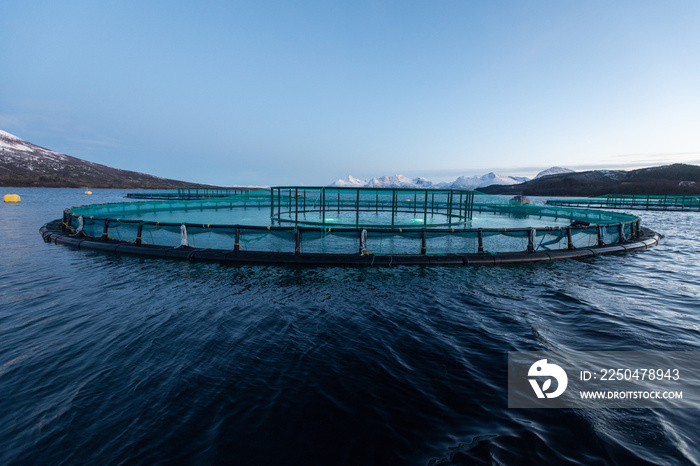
[110, 360]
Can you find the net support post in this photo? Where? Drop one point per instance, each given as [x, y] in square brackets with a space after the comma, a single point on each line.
[480, 236]
[470, 205]
[323, 206]
[237, 240]
[296, 206]
[459, 216]
[423, 241]
[569, 239]
[297, 242]
[425, 208]
[599, 232]
[105, 229]
[139, 233]
[279, 204]
[449, 208]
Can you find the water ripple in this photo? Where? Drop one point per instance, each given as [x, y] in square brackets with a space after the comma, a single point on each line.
[108, 359]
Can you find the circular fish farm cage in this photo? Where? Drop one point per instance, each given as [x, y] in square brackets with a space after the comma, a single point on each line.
[349, 226]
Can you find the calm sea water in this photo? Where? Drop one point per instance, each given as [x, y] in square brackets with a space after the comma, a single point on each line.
[111, 360]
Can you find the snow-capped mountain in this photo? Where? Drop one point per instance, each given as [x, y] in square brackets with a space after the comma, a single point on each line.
[421, 182]
[401, 181]
[473, 182]
[25, 164]
[553, 171]
[349, 182]
[19, 151]
[676, 179]
[395, 181]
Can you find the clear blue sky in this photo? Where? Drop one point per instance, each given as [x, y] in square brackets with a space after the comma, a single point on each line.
[302, 92]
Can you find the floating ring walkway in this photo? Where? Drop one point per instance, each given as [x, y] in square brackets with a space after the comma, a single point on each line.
[56, 232]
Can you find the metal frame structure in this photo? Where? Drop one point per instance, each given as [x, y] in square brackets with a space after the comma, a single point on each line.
[291, 204]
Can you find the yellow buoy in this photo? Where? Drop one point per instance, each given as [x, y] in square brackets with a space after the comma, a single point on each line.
[88, 192]
[11, 198]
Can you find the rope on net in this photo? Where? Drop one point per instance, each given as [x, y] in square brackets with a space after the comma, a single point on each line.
[531, 240]
[183, 240]
[556, 240]
[363, 242]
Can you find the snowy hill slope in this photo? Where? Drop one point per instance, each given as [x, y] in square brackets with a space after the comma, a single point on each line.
[25, 164]
[553, 171]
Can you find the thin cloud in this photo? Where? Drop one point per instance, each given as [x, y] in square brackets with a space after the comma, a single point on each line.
[640, 161]
[661, 155]
[93, 142]
[9, 120]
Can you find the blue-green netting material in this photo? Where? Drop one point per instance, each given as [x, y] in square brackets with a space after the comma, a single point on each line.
[625, 201]
[498, 224]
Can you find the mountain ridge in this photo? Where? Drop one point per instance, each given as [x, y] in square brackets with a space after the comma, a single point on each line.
[674, 179]
[667, 180]
[401, 181]
[23, 164]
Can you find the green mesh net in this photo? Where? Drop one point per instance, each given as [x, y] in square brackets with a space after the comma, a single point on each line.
[625, 201]
[346, 221]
